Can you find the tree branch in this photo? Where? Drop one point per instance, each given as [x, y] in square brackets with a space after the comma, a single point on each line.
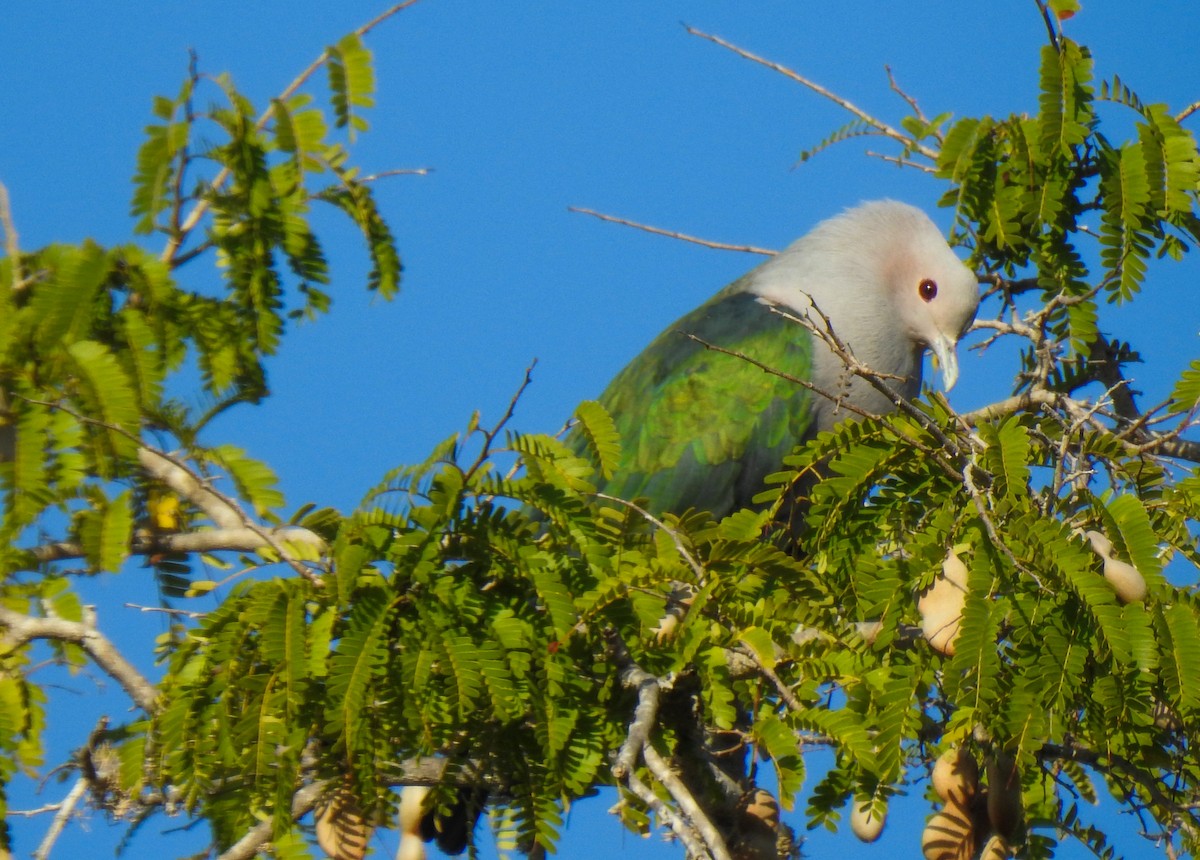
[239, 539]
[696, 816]
[66, 808]
[21, 629]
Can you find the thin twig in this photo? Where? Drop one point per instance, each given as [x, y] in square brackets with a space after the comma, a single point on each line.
[399, 171]
[785, 692]
[695, 565]
[658, 231]
[65, 810]
[766, 368]
[1048, 20]
[901, 162]
[878, 124]
[908, 99]
[1187, 111]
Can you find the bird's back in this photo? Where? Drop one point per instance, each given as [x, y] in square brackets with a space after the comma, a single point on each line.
[701, 428]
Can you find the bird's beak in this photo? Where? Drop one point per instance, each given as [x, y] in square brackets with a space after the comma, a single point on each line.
[946, 358]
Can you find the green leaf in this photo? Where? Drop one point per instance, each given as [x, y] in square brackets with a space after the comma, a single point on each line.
[255, 480]
[105, 532]
[360, 656]
[1137, 535]
[601, 435]
[1125, 220]
[1008, 454]
[782, 747]
[1065, 98]
[1181, 659]
[108, 394]
[63, 308]
[351, 80]
[1185, 396]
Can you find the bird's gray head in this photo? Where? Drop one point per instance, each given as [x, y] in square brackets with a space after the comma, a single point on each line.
[882, 271]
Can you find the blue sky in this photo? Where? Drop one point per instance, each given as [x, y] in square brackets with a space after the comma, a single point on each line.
[522, 110]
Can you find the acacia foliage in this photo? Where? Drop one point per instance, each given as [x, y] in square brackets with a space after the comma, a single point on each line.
[486, 611]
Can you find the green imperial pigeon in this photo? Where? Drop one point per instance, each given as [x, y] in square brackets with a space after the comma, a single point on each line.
[702, 429]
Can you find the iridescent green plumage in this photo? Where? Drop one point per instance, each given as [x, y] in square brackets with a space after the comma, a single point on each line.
[700, 428]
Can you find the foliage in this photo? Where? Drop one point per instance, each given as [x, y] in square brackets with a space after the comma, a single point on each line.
[477, 622]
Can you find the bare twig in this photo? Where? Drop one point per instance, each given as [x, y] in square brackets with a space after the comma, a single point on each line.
[766, 368]
[908, 99]
[683, 551]
[877, 124]
[1048, 20]
[240, 539]
[66, 808]
[489, 436]
[901, 162]
[785, 692]
[399, 171]
[1187, 111]
[658, 231]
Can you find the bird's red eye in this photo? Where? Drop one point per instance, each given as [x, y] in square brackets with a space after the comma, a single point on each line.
[927, 290]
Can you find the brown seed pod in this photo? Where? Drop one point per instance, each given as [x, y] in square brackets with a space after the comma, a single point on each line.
[956, 776]
[996, 848]
[941, 605]
[1004, 795]
[763, 808]
[1166, 718]
[342, 831]
[866, 822]
[949, 834]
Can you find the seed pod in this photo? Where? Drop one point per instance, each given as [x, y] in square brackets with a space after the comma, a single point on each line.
[1126, 580]
[941, 605]
[1165, 718]
[763, 808]
[949, 834]
[956, 776]
[1004, 795]
[341, 830]
[865, 821]
[996, 848]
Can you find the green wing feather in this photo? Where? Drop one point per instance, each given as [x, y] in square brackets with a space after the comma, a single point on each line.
[702, 429]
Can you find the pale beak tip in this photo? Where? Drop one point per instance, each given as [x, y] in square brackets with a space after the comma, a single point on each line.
[944, 355]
